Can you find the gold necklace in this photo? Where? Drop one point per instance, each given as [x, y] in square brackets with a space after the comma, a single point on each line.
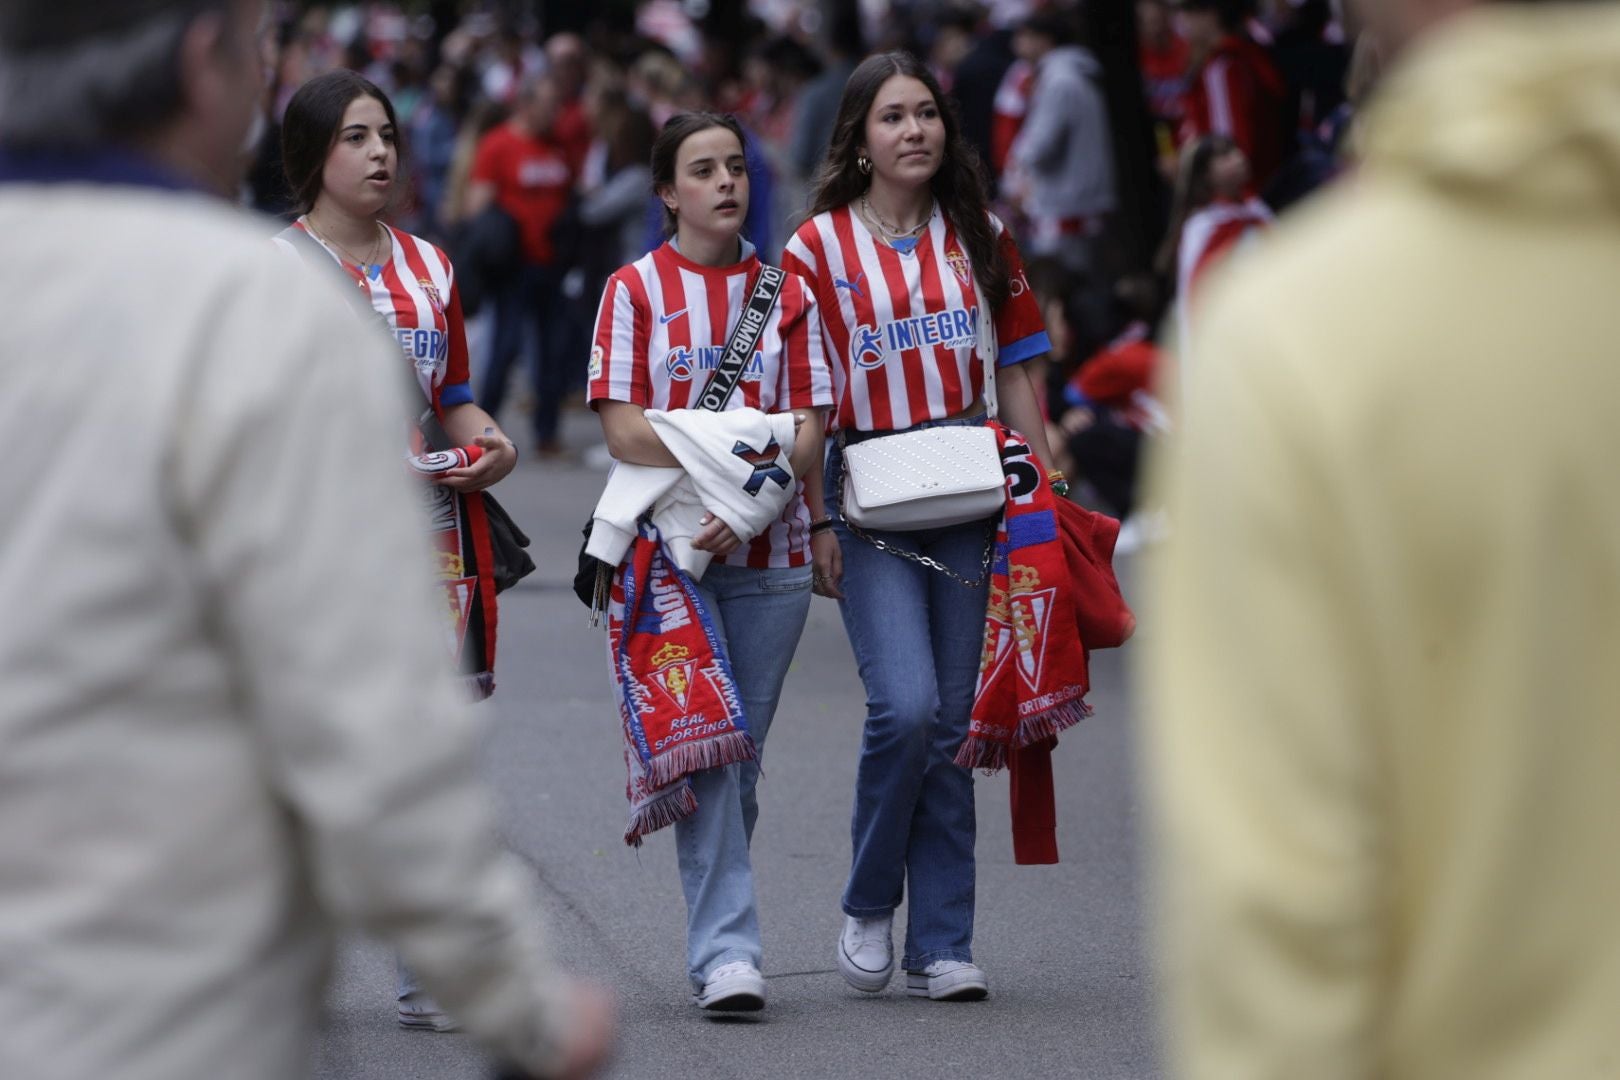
[370, 267]
[894, 232]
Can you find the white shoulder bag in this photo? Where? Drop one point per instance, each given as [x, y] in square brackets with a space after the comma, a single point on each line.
[933, 476]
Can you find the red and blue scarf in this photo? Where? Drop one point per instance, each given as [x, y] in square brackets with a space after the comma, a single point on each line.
[1032, 672]
[678, 702]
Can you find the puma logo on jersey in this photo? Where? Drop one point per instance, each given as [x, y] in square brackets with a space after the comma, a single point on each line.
[852, 286]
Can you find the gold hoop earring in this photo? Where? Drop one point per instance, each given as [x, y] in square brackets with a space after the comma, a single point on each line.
[864, 164]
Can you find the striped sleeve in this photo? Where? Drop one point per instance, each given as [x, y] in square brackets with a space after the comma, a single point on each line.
[1020, 330]
[804, 381]
[458, 372]
[618, 362]
[797, 258]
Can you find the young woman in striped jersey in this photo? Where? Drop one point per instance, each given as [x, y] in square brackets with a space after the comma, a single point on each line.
[340, 149]
[663, 323]
[898, 237]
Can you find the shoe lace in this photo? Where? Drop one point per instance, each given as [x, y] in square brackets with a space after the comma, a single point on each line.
[871, 931]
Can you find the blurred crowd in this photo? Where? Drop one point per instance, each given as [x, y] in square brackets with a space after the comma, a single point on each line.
[1128, 154]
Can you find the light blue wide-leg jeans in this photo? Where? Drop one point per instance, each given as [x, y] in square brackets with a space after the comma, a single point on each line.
[758, 616]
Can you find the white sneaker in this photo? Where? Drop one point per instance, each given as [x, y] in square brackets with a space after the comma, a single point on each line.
[734, 987]
[866, 952]
[948, 980]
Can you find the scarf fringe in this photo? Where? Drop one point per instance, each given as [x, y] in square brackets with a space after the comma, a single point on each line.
[986, 754]
[704, 752]
[992, 755]
[1059, 718]
[661, 812]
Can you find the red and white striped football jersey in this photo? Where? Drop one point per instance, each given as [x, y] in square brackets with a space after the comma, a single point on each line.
[902, 328]
[415, 292]
[663, 323]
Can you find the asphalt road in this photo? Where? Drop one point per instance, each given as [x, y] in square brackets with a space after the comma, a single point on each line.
[1063, 945]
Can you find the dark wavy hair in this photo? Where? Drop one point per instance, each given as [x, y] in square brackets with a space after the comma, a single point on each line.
[667, 147]
[310, 128]
[958, 185]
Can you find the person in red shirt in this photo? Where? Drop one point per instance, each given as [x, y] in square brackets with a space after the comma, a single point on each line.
[568, 63]
[522, 169]
[1234, 89]
[1164, 58]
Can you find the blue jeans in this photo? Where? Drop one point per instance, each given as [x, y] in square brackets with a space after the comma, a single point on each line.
[758, 616]
[917, 636]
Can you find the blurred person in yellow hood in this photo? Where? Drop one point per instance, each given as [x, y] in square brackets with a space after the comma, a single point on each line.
[1384, 739]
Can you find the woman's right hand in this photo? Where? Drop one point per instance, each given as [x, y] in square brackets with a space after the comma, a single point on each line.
[827, 565]
[715, 537]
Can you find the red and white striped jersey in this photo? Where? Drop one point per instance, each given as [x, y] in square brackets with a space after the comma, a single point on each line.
[1209, 236]
[1007, 112]
[415, 292]
[662, 326]
[1237, 92]
[902, 328]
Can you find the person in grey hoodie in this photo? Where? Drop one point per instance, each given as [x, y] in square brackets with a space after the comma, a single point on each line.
[1063, 157]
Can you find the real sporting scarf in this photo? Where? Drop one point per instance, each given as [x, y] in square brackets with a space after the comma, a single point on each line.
[459, 533]
[1032, 671]
[678, 702]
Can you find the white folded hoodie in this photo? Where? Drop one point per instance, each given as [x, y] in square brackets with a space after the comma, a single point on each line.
[728, 468]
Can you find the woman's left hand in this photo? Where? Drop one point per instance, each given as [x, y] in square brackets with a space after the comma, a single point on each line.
[499, 458]
[827, 563]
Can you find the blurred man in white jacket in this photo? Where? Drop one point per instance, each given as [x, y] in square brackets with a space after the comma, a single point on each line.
[225, 724]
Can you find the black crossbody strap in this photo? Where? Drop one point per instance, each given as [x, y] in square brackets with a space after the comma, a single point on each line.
[744, 337]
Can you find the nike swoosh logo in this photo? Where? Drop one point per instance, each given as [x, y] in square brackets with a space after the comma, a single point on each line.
[665, 320]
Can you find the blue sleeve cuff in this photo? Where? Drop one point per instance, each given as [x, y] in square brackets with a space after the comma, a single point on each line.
[1024, 349]
[455, 394]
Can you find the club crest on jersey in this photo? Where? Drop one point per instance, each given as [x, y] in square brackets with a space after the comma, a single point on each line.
[958, 262]
[765, 466]
[954, 328]
[432, 292]
[683, 363]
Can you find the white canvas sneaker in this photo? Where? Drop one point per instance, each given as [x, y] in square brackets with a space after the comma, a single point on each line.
[866, 952]
[948, 980]
[734, 987]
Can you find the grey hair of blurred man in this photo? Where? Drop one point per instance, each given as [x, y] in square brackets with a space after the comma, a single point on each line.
[94, 90]
[80, 75]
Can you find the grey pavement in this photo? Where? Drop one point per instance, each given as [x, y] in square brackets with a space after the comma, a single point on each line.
[1063, 945]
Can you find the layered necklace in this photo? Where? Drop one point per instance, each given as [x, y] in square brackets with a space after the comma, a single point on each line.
[370, 266]
[894, 234]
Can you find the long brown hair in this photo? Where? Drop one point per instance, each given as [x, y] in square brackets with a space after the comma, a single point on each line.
[958, 186]
[1195, 189]
[309, 130]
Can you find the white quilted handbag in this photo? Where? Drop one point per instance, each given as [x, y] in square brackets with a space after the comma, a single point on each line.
[923, 479]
